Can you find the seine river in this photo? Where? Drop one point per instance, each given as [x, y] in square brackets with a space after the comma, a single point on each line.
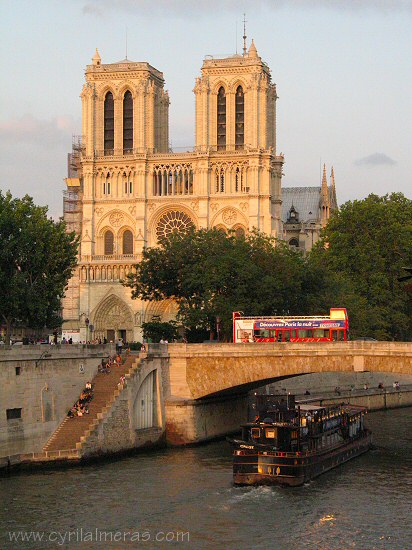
[161, 499]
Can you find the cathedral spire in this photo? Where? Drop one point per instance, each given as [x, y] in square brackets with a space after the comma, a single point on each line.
[324, 191]
[324, 201]
[332, 177]
[244, 35]
[333, 199]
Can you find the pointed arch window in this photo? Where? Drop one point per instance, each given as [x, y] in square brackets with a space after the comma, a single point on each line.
[221, 119]
[127, 242]
[240, 119]
[108, 124]
[127, 122]
[106, 185]
[108, 243]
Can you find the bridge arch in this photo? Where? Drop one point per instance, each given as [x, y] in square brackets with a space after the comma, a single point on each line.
[236, 368]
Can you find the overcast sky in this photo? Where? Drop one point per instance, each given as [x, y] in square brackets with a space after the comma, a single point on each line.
[343, 71]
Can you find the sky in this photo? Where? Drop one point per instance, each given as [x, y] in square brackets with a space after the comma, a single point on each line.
[343, 70]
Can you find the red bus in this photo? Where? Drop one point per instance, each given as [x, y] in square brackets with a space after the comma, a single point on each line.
[322, 328]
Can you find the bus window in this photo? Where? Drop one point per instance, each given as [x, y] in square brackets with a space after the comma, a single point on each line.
[272, 334]
[304, 333]
[286, 336]
[244, 335]
[279, 335]
[321, 333]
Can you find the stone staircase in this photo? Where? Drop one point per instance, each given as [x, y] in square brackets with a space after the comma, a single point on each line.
[106, 388]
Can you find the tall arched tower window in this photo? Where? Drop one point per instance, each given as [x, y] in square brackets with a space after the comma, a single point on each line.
[127, 242]
[127, 122]
[108, 243]
[221, 119]
[240, 118]
[108, 123]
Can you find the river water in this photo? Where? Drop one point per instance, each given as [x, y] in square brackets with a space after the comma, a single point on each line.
[163, 498]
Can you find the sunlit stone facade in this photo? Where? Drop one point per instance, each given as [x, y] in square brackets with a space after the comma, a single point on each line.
[126, 187]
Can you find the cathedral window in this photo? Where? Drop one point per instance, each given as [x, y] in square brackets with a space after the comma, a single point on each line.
[127, 185]
[239, 186]
[127, 242]
[221, 119]
[127, 123]
[107, 186]
[173, 221]
[220, 180]
[294, 242]
[109, 124]
[240, 119]
[108, 243]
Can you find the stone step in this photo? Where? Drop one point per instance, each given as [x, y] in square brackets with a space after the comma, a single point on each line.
[72, 431]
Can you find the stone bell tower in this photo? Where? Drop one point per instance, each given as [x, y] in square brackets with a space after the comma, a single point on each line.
[236, 124]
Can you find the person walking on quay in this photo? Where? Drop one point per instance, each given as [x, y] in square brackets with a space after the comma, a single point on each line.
[119, 346]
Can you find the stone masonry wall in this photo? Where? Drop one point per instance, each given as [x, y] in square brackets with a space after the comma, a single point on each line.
[196, 421]
[44, 392]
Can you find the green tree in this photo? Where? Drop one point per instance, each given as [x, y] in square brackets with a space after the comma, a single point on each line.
[37, 257]
[156, 330]
[210, 275]
[358, 262]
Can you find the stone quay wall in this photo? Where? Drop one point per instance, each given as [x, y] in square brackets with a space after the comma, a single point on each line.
[44, 382]
[118, 429]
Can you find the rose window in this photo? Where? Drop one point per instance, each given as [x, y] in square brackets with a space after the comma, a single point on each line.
[173, 221]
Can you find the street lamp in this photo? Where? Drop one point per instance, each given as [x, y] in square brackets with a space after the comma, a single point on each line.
[218, 327]
[87, 321]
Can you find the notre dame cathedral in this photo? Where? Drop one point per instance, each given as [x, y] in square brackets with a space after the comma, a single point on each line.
[126, 188]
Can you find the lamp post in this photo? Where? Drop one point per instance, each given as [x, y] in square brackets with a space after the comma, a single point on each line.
[87, 321]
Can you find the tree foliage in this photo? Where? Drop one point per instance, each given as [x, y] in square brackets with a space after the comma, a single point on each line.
[210, 275]
[37, 257]
[156, 330]
[357, 264]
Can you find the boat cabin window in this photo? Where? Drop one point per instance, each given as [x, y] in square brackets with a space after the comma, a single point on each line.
[255, 433]
[271, 433]
[304, 333]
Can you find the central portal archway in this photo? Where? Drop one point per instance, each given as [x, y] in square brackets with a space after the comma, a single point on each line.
[113, 319]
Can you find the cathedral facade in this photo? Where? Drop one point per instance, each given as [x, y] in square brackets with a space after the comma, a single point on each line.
[126, 188]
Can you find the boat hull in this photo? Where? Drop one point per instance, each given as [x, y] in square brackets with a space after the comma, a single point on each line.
[253, 466]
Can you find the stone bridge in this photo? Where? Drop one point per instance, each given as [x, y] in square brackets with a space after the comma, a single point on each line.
[207, 384]
[208, 370]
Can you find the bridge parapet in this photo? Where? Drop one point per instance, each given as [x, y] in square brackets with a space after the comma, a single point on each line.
[204, 370]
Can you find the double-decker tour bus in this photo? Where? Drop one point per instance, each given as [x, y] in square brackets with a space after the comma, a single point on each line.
[292, 329]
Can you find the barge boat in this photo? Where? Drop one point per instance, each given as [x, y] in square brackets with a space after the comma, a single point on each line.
[290, 443]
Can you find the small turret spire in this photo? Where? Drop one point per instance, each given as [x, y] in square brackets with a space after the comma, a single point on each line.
[96, 59]
[253, 50]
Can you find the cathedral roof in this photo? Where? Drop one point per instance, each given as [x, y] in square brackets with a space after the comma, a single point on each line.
[125, 60]
[305, 200]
